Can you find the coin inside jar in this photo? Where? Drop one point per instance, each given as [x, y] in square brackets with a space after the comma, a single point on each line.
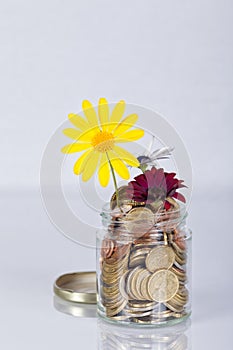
[162, 285]
[161, 257]
[139, 220]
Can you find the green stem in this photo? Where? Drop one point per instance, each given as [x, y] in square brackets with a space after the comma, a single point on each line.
[114, 181]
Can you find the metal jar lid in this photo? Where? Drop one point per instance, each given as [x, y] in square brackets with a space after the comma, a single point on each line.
[79, 287]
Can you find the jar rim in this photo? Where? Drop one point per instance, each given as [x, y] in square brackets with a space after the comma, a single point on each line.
[172, 217]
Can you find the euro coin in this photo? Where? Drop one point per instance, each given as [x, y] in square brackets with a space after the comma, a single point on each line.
[107, 248]
[116, 309]
[139, 220]
[122, 196]
[138, 252]
[122, 285]
[160, 257]
[181, 274]
[162, 285]
[144, 287]
[135, 286]
[130, 282]
[137, 261]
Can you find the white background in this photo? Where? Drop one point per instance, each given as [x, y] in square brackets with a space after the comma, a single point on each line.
[174, 56]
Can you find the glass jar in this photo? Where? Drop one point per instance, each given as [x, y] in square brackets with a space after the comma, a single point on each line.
[144, 265]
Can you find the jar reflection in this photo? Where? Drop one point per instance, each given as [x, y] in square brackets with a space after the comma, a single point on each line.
[116, 337]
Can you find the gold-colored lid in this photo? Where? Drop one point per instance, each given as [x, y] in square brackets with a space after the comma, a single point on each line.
[79, 287]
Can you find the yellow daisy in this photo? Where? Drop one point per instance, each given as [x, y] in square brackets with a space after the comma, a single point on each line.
[98, 136]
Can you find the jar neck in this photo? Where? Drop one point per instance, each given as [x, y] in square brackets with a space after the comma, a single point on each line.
[128, 217]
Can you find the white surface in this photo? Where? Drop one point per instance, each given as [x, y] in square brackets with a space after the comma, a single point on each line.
[33, 254]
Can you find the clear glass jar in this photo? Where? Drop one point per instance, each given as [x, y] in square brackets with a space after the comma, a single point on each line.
[144, 265]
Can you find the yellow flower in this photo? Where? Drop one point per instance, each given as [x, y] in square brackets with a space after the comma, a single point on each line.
[98, 136]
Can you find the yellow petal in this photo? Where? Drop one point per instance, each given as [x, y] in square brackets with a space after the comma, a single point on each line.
[72, 133]
[132, 135]
[103, 110]
[78, 121]
[119, 166]
[81, 162]
[90, 113]
[90, 166]
[126, 156]
[75, 147]
[126, 124]
[104, 171]
[88, 135]
[117, 112]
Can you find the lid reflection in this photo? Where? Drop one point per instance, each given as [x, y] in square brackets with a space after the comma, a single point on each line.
[74, 309]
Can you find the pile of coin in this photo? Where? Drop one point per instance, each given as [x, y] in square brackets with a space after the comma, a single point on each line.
[142, 269]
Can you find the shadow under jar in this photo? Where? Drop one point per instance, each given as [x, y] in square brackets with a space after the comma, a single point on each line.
[144, 266]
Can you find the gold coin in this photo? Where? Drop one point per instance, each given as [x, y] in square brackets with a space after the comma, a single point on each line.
[161, 257]
[122, 196]
[141, 304]
[138, 252]
[181, 274]
[144, 288]
[162, 285]
[145, 243]
[122, 285]
[110, 280]
[113, 303]
[120, 252]
[179, 252]
[155, 317]
[115, 310]
[179, 260]
[139, 314]
[116, 263]
[110, 271]
[109, 290]
[138, 260]
[134, 285]
[121, 317]
[137, 280]
[141, 275]
[163, 314]
[124, 199]
[183, 291]
[130, 285]
[140, 309]
[107, 248]
[109, 298]
[174, 307]
[139, 220]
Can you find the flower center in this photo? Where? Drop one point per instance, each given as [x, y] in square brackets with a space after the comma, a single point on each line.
[103, 141]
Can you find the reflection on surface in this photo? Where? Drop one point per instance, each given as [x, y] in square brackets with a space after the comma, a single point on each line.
[74, 309]
[119, 337]
[116, 337]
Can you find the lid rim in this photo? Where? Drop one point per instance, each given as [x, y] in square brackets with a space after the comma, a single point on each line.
[73, 295]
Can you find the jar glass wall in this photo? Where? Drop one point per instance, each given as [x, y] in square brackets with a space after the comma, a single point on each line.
[144, 266]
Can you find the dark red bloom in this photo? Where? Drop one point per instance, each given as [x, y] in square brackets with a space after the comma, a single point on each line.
[154, 185]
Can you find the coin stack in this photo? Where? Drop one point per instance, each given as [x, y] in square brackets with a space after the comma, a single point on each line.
[143, 270]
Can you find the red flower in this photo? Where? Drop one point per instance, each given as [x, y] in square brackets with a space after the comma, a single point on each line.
[155, 185]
